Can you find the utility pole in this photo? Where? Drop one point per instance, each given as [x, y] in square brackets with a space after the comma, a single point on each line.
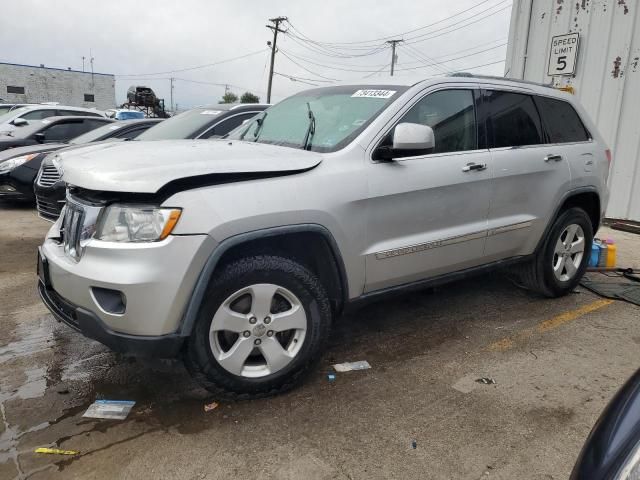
[393, 44]
[83, 63]
[276, 28]
[171, 92]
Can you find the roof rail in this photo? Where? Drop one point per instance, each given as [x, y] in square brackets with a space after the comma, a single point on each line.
[495, 77]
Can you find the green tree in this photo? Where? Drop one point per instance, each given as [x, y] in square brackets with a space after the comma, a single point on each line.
[248, 97]
[229, 97]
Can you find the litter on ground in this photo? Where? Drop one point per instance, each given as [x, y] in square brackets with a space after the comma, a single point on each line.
[486, 381]
[56, 451]
[348, 366]
[210, 406]
[109, 409]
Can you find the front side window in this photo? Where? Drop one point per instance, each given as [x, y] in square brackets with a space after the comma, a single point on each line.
[339, 115]
[63, 132]
[225, 126]
[38, 114]
[184, 125]
[513, 119]
[451, 115]
[561, 121]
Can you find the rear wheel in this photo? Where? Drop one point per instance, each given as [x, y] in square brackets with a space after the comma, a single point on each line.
[558, 266]
[263, 323]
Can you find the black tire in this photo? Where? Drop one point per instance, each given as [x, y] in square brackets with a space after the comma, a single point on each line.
[537, 274]
[199, 358]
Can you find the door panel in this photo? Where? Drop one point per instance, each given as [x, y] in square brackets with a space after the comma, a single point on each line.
[529, 175]
[426, 217]
[427, 214]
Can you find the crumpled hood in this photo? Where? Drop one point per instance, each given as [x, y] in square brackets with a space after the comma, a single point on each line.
[146, 167]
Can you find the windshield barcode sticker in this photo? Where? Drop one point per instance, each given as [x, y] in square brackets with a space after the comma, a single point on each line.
[374, 94]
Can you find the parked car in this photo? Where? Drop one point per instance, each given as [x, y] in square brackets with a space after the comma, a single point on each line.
[612, 450]
[124, 114]
[49, 188]
[197, 123]
[19, 166]
[239, 253]
[50, 130]
[21, 117]
[204, 122]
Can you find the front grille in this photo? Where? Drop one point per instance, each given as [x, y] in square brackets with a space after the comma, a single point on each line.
[48, 209]
[78, 225]
[48, 175]
[72, 229]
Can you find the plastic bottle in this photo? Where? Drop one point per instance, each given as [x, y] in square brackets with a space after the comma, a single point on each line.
[611, 253]
[602, 261]
[594, 258]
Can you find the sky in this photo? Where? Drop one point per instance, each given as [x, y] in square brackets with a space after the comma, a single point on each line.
[145, 42]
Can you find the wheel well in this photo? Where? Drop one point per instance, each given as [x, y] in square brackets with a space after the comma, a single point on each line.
[310, 249]
[589, 202]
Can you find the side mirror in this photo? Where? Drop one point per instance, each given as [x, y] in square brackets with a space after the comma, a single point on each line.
[39, 137]
[409, 139]
[19, 122]
[413, 136]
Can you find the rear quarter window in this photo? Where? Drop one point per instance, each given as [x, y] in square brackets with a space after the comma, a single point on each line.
[562, 123]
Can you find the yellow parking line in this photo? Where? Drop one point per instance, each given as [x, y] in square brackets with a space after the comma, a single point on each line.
[552, 323]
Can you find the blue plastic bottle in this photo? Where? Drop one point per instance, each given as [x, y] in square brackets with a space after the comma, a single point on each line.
[594, 258]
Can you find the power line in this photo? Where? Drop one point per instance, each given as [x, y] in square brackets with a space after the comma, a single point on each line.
[192, 68]
[379, 39]
[307, 70]
[295, 79]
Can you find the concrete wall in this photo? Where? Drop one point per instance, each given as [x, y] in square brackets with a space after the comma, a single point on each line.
[607, 77]
[67, 87]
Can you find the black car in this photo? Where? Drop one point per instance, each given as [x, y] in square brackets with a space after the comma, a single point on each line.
[19, 166]
[50, 130]
[612, 450]
[198, 123]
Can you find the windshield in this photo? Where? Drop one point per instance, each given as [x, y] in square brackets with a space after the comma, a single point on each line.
[184, 125]
[6, 117]
[5, 108]
[93, 135]
[339, 113]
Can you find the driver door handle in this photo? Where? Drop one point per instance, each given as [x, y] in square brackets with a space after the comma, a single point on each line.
[553, 157]
[474, 166]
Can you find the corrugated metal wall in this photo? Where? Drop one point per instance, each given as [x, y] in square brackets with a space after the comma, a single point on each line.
[607, 79]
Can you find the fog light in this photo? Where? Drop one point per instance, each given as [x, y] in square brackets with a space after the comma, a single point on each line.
[111, 301]
[7, 189]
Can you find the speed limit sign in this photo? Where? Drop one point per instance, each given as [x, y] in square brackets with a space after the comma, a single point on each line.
[563, 55]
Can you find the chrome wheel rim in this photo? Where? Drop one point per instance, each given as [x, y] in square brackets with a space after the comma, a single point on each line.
[568, 253]
[258, 330]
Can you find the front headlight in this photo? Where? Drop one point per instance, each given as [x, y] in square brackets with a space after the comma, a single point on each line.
[136, 223]
[12, 163]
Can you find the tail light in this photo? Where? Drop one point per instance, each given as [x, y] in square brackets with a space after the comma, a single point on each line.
[607, 152]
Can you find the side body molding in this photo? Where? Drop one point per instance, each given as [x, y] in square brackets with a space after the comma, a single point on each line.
[191, 312]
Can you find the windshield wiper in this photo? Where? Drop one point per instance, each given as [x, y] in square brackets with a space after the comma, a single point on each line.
[311, 129]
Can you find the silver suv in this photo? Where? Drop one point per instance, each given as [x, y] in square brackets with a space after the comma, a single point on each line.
[238, 253]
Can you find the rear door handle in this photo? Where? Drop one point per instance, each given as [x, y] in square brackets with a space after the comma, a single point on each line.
[553, 157]
[474, 166]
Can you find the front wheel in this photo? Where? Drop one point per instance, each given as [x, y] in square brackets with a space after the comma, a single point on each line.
[264, 321]
[558, 266]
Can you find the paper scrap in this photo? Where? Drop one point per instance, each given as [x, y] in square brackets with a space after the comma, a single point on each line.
[109, 409]
[210, 406]
[348, 366]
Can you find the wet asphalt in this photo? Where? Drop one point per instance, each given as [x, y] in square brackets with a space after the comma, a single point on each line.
[417, 413]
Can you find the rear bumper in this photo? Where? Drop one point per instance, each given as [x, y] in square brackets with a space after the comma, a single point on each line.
[88, 323]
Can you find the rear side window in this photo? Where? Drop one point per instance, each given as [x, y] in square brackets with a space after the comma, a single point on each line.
[561, 121]
[513, 120]
[38, 114]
